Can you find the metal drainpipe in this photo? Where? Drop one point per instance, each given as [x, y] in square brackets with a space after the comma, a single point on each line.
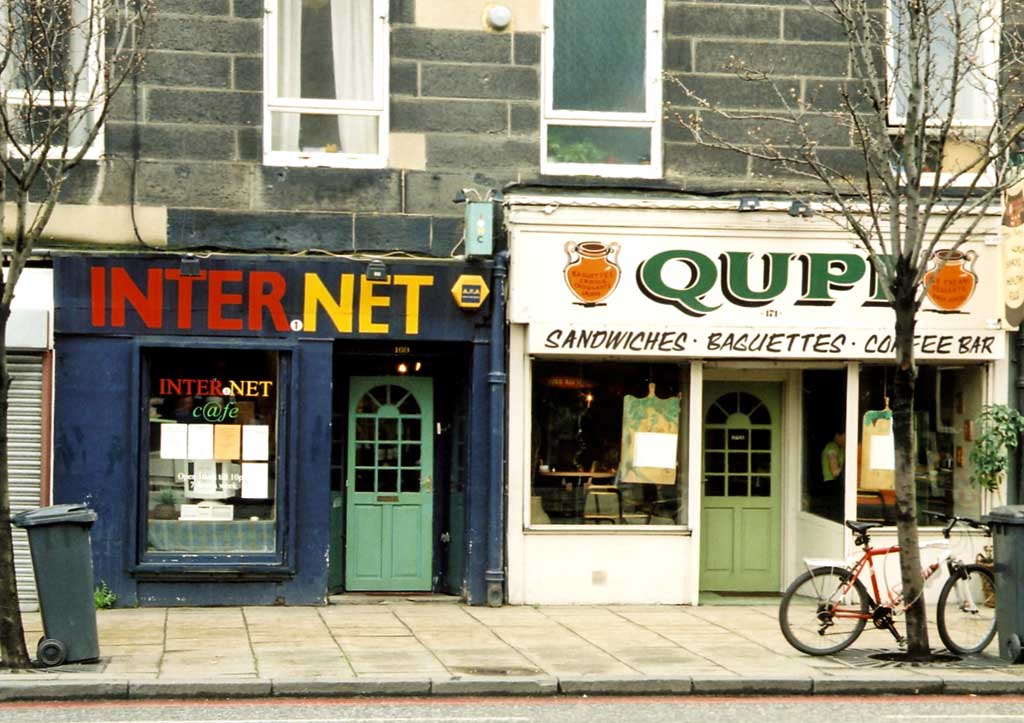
[497, 378]
[1015, 474]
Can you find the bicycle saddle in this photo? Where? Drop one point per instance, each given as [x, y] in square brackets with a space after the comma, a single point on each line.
[862, 527]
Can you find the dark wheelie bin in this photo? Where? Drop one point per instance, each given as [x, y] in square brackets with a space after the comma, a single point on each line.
[1007, 523]
[58, 537]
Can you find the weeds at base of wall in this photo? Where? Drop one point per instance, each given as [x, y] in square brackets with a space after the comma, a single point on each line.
[103, 597]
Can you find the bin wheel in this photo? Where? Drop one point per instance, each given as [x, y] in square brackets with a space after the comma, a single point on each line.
[51, 652]
[1013, 648]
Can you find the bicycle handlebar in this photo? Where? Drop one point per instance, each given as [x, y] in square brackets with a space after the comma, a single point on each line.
[953, 520]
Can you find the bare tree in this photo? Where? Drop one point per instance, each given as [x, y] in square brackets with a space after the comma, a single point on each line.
[932, 122]
[61, 64]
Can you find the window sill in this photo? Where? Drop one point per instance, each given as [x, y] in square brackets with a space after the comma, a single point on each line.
[207, 571]
[646, 530]
[322, 160]
[551, 168]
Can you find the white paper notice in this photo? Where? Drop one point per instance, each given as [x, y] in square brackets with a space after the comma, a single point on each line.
[255, 442]
[173, 441]
[653, 449]
[254, 480]
[883, 452]
[200, 441]
[204, 480]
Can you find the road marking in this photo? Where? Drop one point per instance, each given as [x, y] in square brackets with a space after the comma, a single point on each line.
[388, 719]
[949, 716]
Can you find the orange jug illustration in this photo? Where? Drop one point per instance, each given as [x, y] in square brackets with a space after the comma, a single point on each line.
[951, 280]
[592, 273]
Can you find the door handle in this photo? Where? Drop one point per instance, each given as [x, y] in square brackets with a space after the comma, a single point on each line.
[427, 484]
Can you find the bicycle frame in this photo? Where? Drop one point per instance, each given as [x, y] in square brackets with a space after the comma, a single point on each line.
[893, 597]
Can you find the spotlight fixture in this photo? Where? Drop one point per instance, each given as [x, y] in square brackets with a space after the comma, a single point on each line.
[376, 270]
[189, 265]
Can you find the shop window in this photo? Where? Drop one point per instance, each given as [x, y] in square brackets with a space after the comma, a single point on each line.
[212, 485]
[602, 96]
[824, 409]
[608, 444]
[326, 84]
[946, 400]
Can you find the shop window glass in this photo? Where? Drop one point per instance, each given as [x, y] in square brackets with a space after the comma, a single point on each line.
[824, 409]
[212, 485]
[609, 444]
[946, 401]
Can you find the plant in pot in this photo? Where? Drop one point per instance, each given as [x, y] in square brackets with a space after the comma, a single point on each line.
[998, 429]
[165, 505]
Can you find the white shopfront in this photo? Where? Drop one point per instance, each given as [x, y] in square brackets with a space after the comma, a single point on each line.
[676, 370]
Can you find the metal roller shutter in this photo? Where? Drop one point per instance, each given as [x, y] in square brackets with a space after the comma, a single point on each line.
[26, 434]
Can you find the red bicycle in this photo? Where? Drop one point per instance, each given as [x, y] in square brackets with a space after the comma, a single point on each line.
[826, 608]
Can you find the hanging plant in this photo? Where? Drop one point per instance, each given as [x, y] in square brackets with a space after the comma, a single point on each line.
[998, 430]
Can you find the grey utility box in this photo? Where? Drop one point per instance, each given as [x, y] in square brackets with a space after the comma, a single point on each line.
[62, 560]
[1007, 525]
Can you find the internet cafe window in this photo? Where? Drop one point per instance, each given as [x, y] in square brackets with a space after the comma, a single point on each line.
[326, 83]
[946, 400]
[212, 485]
[608, 444]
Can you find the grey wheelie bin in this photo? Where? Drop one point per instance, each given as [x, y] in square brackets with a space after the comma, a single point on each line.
[58, 537]
[1007, 525]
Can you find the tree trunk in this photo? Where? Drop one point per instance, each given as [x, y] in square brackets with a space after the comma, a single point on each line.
[12, 634]
[906, 489]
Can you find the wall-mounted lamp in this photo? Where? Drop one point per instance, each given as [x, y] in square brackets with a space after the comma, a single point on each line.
[799, 208]
[376, 270]
[189, 265]
[749, 203]
[498, 17]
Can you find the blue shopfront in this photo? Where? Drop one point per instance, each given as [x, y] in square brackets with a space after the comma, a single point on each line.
[272, 430]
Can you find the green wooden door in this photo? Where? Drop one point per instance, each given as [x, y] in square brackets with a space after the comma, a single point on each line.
[389, 510]
[740, 510]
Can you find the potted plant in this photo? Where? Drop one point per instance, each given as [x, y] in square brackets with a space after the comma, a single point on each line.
[998, 429]
[165, 508]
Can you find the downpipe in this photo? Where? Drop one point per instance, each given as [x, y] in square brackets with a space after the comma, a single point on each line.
[497, 380]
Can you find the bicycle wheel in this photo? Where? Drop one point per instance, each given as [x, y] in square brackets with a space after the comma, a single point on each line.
[967, 611]
[819, 615]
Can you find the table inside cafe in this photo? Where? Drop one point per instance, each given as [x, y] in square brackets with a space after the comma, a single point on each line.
[563, 491]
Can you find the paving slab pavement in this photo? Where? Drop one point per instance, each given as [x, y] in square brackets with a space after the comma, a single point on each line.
[402, 646]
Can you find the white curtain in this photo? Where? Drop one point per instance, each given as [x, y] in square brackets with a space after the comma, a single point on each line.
[285, 135]
[352, 48]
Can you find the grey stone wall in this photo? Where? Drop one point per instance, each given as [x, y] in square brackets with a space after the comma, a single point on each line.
[188, 136]
[708, 45]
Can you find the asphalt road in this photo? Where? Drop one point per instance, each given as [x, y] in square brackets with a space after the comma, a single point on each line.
[559, 709]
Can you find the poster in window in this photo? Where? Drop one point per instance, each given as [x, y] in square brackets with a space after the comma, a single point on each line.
[650, 437]
[878, 451]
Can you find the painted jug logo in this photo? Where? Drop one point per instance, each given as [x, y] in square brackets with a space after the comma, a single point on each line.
[951, 280]
[591, 273]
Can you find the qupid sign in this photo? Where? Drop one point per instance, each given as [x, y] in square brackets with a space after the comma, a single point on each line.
[821, 277]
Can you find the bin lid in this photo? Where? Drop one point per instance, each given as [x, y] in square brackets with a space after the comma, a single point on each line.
[1006, 515]
[79, 514]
